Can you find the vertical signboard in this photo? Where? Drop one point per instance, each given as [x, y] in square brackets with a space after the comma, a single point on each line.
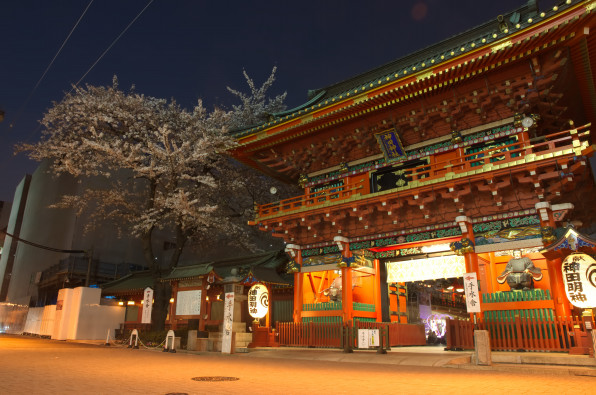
[228, 321]
[147, 305]
[472, 294]
[363, 338]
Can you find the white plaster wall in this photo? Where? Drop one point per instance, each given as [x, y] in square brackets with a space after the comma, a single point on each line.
[47, 320]
[62, 316]
[81, 298]
[34, 318]
[95, 321]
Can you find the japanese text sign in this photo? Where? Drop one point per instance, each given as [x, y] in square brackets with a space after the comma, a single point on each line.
[228, 322]
[147, 305]
[390, 144]
[472, 292]
[579, 277]
[258, 301]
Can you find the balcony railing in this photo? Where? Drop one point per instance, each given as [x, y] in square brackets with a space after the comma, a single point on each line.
[552, 143]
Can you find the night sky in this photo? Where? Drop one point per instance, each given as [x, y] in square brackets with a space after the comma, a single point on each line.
[188, 50]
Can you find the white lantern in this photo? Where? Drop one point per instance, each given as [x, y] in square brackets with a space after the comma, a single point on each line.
[258, 301]
[579, 277]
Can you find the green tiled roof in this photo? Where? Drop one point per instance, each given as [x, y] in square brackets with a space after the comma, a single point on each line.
[181, 272]
[483, 35]
[131, 283]
[268, 275]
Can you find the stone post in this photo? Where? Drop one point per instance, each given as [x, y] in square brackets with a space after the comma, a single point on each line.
[482, 352]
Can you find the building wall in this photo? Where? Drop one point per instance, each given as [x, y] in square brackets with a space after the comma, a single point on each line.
[59, 229]
[13, 227]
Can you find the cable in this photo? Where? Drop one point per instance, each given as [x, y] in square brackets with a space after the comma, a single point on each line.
[42, 246]
[22, 108]
[111, 45]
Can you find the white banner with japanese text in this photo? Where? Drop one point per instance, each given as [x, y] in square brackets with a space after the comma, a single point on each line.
[228, 321]
[147, 305]
[472, 294]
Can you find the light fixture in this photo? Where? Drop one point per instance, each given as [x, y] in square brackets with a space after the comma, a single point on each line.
[171, 300]
[460, 290]
[130, 302]
[121, 303]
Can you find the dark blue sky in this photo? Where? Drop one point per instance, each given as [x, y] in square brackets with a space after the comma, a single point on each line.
[193, 49]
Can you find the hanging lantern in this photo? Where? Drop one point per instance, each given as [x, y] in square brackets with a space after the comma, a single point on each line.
[258, 301]
[579, 277]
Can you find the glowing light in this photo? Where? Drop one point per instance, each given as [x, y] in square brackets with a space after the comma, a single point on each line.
[258, 301]
[426, 269]
[579, 277]
[130, 302]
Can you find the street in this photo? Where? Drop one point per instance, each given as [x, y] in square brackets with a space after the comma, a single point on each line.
[41, 366]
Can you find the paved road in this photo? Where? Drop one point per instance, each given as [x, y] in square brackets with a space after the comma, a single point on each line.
[40, 366]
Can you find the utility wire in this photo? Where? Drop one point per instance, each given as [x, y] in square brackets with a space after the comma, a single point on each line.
[20, 111]
[42, 246]
[79, 81]
[111, 45]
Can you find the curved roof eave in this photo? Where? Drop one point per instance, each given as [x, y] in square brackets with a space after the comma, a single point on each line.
[453, 47]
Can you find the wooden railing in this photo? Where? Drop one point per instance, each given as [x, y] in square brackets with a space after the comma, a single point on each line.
[331, 335]
[311, 199]
[519, 334]
[309, 334]
[507, 153]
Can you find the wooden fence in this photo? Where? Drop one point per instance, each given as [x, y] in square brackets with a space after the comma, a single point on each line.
[309, 334]
[330, 335]
[520, 333]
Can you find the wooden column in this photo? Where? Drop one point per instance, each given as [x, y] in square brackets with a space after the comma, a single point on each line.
[555, 275]
[173, 321]
[296, 254]
[493, 272]
[377, 290]
[468, 232]
[346, 280]
[268, 316]
[470, 257]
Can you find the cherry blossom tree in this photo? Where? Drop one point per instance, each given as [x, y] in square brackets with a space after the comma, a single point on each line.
[255, 107]
[165, 168]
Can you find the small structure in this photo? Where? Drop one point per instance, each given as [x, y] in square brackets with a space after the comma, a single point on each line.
[128, 292]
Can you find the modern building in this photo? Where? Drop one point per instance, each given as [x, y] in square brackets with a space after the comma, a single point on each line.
[445, 162]
[55, 242]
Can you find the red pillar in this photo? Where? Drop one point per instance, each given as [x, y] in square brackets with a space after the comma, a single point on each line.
[377, 290]
[296, 254]
[470, 257]
[557, 288]
[346, 280]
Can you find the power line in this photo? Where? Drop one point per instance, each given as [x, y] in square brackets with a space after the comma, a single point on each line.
[112, 44]
[22, 108]
[42, 246]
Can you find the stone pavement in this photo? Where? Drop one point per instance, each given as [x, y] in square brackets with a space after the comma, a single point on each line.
[41, 366]
[549, 363]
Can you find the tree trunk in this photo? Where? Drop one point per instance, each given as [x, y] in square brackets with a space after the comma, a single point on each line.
[162, 291]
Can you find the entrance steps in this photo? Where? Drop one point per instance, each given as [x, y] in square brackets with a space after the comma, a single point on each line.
[243, 338]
